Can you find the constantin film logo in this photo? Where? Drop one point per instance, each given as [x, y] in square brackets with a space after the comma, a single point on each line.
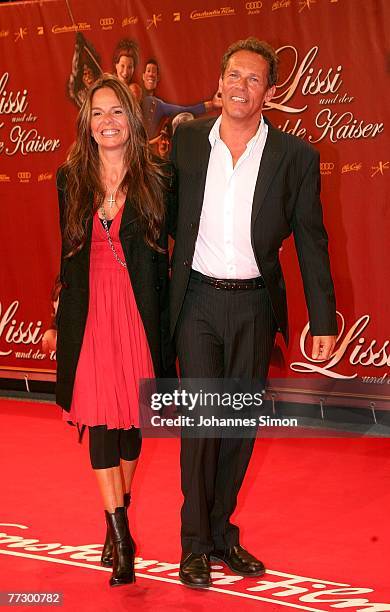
[75, 27]
[275, 587]
[4, 178]
[24, 177]
[253, 8]
[106, 23]
[224, 11]
[326, 168]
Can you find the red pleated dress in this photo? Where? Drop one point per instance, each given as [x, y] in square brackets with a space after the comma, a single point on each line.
[115, 353]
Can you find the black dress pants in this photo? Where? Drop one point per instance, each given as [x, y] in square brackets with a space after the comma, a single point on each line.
[220, 333]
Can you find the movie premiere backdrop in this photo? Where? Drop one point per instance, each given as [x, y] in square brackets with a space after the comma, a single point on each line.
[333, 92]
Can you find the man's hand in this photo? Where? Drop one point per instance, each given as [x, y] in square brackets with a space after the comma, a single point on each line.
[323, 347]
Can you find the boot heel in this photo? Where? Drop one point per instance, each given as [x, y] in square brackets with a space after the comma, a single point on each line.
[106, 558]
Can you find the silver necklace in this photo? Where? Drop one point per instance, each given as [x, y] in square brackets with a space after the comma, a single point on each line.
[112, 195]
[110, 242]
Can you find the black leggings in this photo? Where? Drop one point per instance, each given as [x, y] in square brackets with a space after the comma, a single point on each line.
[108, 446]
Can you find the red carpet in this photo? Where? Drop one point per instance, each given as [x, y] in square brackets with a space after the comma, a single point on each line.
[315, 510]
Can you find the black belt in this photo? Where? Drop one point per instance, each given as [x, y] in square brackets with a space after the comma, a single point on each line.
[228, 283]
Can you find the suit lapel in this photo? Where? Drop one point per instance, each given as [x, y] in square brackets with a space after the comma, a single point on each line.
[199, 161]
[272, 156]
[270, 161]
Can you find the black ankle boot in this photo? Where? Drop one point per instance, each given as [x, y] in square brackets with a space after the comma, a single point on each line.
[123, 549]
[106, 558]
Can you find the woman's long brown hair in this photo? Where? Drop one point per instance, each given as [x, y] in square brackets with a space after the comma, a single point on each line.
[143, 181]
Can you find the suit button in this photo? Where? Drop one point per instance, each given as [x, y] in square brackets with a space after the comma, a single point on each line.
[158, 287]
[154, 257]
[186, 263]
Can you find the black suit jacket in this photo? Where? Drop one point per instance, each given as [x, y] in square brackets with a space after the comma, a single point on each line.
[148, 271]
[286, 199]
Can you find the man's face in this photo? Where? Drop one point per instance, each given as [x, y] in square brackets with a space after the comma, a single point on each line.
[244, 86]
[150, 77]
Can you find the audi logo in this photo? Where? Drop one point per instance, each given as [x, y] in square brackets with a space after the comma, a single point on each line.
[107, 21]
[251, 6]
[24, 175]
[327, 165]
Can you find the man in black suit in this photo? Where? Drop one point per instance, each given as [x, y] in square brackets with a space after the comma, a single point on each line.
[243, 187]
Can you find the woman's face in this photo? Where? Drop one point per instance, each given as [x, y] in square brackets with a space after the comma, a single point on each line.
[125, 69]
[109, 123]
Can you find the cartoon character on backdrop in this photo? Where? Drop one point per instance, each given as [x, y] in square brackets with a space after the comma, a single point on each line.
[161, 145]
[181, 118]
[125, 60]
[155, 110]
[85, 69]
[49, 338]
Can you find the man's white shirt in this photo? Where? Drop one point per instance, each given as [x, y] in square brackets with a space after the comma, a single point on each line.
[223, 248]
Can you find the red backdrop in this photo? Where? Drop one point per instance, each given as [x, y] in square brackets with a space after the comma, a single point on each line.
[333, 91]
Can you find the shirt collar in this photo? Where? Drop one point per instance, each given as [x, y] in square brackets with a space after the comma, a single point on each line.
[214, 135]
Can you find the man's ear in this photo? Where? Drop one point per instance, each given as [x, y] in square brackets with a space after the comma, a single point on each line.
[220, 84]
[270, 93]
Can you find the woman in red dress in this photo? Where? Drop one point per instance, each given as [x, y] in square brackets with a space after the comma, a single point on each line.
[113, 310]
